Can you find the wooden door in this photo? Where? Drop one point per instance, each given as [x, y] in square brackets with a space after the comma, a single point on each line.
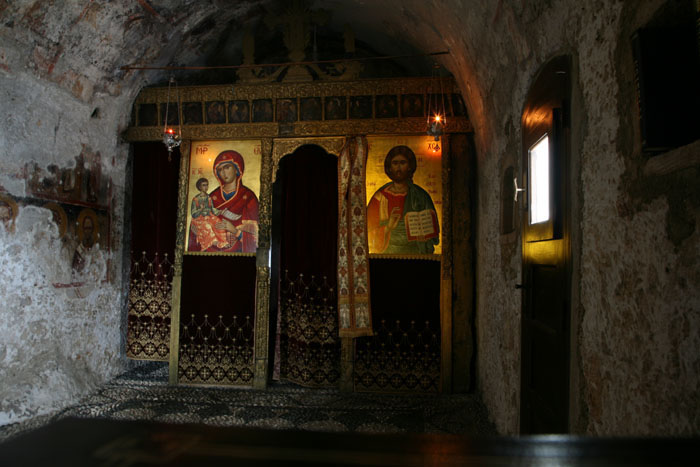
[546, 285]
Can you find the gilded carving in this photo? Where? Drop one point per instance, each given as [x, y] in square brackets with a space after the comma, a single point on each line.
[283, 147]
[179, 248]
[218, 356]
[249, 92]
[149, 308]
[262, 320]
[260, 381]
[394, 256]
[377, 126]
[265, 199]
[181, 206]
[215, 253]
[262, 317]
[230, 131]
[310, 89]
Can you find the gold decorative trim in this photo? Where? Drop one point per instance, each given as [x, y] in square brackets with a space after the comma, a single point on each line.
[179, 248]
[262, 320]
[216, 253]
[296, 91]
[149, 306]
[262, 283]
[225, 360]
[394, 86]
[282, 147]
[265, 198]
[375, 126]
[392, 256]
[412, 363]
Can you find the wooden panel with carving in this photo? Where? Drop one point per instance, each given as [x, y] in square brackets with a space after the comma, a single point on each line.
[240, 122]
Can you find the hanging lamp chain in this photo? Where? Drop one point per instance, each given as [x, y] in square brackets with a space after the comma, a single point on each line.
[171, 139]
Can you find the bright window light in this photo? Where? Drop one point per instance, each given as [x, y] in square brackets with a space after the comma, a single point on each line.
[539, 181]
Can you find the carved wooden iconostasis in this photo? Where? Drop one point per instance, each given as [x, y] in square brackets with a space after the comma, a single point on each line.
[234, 316]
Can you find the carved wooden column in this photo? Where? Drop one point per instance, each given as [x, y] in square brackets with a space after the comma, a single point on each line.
[446, 273]
[262, 289]
[179, 250]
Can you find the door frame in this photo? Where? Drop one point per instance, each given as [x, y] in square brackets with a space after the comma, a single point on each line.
[547, 111]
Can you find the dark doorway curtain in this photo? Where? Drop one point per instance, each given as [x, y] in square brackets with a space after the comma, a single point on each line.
[217, 320]
[404, 353]
[304, 238]
[153, 218]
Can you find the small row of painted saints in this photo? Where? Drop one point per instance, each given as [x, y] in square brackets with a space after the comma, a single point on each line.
[401, 215]
[310, 109]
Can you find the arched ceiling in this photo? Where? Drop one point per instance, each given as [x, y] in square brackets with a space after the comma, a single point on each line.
[90, 40]
[82, 45]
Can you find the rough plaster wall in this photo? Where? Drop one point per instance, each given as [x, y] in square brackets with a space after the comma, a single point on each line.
[639, 292]
[55, 343]
[63, 93]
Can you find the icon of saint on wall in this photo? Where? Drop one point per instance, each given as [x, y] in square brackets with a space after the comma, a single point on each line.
[225, 219]
[88, 230]
[401, 216]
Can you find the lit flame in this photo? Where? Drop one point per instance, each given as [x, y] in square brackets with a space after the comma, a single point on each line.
[438, 118]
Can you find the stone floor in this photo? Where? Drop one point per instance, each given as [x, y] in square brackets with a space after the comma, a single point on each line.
[143, 394]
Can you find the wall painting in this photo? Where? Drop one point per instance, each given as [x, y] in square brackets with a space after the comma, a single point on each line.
[404, 196]
[222, 197]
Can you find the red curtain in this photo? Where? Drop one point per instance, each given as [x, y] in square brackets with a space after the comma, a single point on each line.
[217, 320]
[154, 199]
[153, 217]
[308, 348]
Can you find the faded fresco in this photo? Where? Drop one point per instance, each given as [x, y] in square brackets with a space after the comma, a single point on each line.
[404, 192]
[223, 189]
[79, 199]
[82, 231]
[8, 212]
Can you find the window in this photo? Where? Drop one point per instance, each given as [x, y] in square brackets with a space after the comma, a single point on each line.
[539, 181]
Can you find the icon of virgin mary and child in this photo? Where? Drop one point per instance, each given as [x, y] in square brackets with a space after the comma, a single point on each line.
[225, 220]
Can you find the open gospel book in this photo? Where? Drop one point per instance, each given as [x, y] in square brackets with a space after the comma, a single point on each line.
[421, 225]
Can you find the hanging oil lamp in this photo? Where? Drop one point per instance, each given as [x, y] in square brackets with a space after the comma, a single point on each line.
[171, 137]
[436, 119]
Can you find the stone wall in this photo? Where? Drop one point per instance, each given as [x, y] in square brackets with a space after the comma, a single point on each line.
[62, 296]
[636, 310]
[60, 307]
[65, 102]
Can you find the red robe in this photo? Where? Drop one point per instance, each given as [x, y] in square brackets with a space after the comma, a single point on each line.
[244, 204]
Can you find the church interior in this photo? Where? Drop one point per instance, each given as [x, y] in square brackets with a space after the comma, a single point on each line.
[493, 201]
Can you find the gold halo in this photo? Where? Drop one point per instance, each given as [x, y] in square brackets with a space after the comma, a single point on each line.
[87, 212]
[62, 218]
